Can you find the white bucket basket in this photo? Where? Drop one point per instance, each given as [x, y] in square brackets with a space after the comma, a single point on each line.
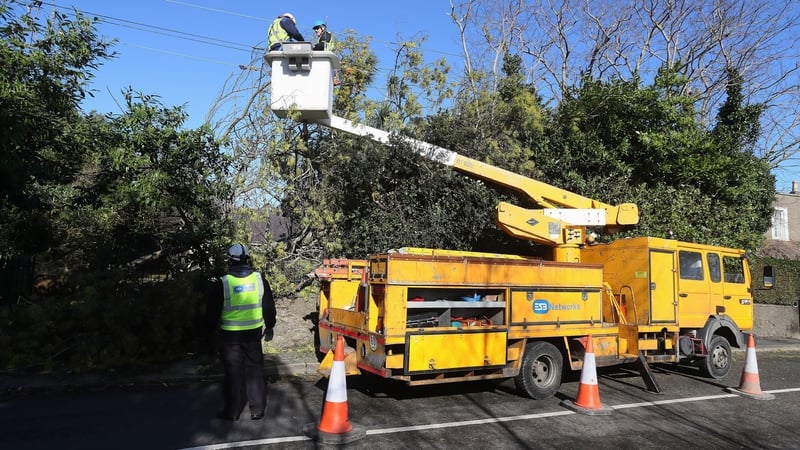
[302, 81]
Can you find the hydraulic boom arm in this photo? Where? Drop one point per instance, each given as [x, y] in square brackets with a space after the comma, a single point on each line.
[302, 79]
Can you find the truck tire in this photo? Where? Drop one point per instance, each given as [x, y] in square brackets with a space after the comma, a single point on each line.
[540, 375]
[718, 362]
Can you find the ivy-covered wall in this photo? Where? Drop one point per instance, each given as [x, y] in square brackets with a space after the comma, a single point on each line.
[786, 290]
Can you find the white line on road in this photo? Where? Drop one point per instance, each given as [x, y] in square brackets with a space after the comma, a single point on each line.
[280, 440]
[468, 422]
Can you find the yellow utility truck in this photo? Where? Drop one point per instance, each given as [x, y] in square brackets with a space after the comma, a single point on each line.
[427, 316]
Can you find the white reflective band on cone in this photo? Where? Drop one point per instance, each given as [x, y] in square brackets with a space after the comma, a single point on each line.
[588, 378]
[337, 389]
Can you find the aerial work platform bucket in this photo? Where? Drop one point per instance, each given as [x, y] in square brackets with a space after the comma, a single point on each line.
[302, 81]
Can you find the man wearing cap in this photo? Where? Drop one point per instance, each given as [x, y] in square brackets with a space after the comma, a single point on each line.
[283, 29]
[247, 314]
[324, 39]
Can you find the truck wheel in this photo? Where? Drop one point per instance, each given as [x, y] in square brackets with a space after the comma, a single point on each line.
[540, 375]
[717, 363]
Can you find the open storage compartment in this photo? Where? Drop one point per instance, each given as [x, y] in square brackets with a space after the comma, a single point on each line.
[427, 307]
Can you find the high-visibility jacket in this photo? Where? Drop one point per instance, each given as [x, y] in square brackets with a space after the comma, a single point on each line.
[325, 41]
[241, 309]
[276, 33]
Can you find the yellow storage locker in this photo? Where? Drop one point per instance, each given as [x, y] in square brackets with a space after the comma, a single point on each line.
[430, 352]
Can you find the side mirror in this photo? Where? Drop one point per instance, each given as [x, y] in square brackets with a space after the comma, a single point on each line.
[769, 276]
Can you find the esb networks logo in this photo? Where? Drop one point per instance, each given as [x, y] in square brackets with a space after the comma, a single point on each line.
[542, 306]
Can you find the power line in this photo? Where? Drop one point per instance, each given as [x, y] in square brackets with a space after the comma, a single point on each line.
[191, 5]
[184, 55]
[160, 30]
[178, 34]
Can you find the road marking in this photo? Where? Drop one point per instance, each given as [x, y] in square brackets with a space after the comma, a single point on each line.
[468, 422]
[675, 400]
[433, 426]
[278, 440]
[781, 391]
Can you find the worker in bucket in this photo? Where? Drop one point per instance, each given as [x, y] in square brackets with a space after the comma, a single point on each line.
[247, 315]
[324, 40]
[283, 29]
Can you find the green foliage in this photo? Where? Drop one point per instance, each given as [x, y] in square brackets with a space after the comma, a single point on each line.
[503, 128]
[411, 83]
[148, 192]
[359, 65]
[394, 199]
[618, 141]
[42, 78]
[786, 290]
[110, 206]
[107, 325]
[97, 192]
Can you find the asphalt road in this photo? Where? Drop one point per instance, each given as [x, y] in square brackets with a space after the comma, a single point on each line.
[691, 411]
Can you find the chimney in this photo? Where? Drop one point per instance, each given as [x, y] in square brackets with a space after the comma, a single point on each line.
[794, 187]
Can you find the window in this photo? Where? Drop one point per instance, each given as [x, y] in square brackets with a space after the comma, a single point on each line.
[714, 269]
[691, 265]
[734, 269]
[780, 224]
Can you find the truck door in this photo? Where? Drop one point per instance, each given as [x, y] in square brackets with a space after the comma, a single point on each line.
[715, 288]
[693, 293]
[736, 296]
[662, 286]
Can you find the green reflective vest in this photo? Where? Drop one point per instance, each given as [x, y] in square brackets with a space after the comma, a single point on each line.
[242, 307]
[330, 45]
[276, 33]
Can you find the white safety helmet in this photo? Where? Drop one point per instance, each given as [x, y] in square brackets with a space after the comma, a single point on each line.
[238, 253]
[289, 15]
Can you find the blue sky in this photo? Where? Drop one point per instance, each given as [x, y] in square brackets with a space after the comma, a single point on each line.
[185, 50]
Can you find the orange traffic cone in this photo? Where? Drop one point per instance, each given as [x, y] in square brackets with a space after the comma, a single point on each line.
[588, 400]
[334, 427]
[749, 384]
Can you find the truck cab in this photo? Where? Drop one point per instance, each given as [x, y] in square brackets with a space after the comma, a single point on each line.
[703, 289]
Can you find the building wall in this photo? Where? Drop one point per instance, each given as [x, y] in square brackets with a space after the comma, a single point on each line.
[785, 223]
[782, 242]
[791, 202]
[776, 321]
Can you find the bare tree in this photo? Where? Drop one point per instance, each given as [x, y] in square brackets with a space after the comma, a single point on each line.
[565, 40]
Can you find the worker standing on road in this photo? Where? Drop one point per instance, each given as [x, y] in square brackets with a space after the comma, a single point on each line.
[248, 314]
[324, 39]
[283, 29]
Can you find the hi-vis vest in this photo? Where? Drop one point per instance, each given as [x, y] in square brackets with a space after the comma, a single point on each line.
[330, 45]
[276, 33]
[242, 307]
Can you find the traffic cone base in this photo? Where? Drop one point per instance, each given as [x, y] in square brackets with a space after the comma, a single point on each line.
[588, 399]
[312, 430]
[334, 427]
[754, 396]
[749, 384]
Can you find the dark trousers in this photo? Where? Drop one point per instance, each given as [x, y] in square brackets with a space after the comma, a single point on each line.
[244, 378]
